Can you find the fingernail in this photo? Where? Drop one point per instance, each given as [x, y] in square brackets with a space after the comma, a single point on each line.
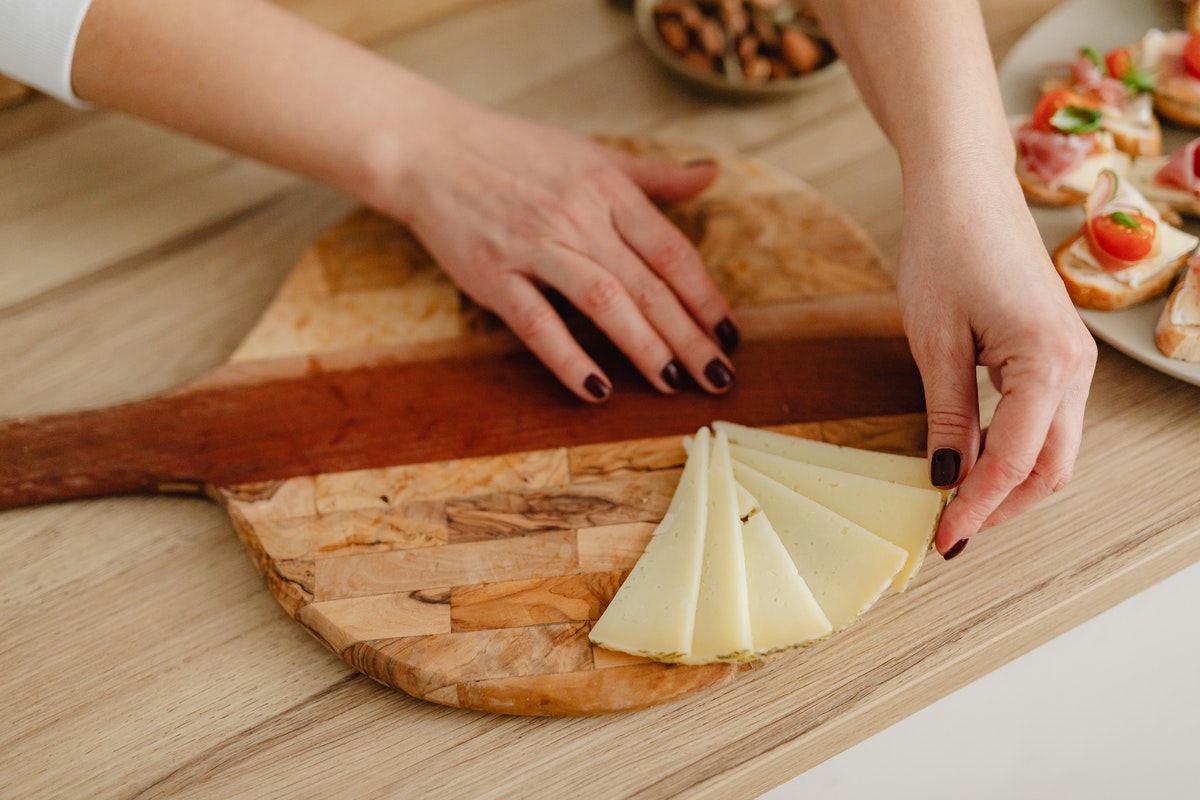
[596, 387]
[956, 549]
[700, 162]
[727, 334]
[943, 467]
[718, 374]
[672, 374]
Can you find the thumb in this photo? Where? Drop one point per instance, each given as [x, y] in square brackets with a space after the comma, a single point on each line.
[952, 412]
[666, 180]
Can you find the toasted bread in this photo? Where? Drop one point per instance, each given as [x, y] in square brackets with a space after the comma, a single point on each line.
[1039, 192]
[1170, 201]
[1092, 288]
[1176, 340]
[1177, 109]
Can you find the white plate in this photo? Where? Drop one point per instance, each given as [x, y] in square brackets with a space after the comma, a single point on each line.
[1103, 25]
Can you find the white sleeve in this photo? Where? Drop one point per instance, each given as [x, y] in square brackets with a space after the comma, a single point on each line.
[37, 44]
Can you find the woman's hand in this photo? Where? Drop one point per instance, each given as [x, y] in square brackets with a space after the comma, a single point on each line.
[509, 208]
[977, 287]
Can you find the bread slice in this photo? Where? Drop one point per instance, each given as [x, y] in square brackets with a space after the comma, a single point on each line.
[1095, 289]
[1039, 192]
[1176, 340]
[1177, 109]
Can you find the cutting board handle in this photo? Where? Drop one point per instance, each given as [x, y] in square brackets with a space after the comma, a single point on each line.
[392, 414]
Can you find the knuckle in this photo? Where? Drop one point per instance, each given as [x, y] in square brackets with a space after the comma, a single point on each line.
[950, 423]
[602, 295]
[672, 257]
[1009, 469]
[533, 322]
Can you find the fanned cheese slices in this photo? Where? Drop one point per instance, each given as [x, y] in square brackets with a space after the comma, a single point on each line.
[903, 515]
[846, 566]
[754, 556]
[654, 612]
[908, 470]
[784, 615]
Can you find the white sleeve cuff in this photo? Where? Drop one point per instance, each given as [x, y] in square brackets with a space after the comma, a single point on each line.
[37, 44]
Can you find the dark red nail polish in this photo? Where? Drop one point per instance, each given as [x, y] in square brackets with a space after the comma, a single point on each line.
[943, 467]
[718, 374]
[672, 374]
[728, 334]
[956, 549]
[596, 387]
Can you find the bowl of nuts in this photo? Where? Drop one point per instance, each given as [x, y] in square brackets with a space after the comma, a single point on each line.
[738, 47]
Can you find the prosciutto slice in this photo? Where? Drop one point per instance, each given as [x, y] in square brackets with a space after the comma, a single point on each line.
[1052, 156]
[1090, 79]
[1181, 169]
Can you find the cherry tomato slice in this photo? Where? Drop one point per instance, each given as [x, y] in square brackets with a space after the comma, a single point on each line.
[1051, 102]
[1123, 235]
[1119, 62]
[1191, 55]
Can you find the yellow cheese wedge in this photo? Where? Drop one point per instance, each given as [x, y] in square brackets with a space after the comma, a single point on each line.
[845, 566]
[722, 630]
[903, 515]
[784, 615]
[909, 470]
[654, 612]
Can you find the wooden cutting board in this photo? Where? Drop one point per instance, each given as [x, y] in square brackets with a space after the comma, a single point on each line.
[426, 500]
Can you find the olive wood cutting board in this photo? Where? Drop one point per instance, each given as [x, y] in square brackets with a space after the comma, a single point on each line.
[423, 497]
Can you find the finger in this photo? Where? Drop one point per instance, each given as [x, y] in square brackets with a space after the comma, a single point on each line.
[694, 349]
[535, 322]
[1016, 437]
[603, 298]
[669, 254]
[1056, 462]
[662, 179]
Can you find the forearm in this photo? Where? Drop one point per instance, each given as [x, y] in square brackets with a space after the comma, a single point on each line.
[248, 76]
[925, 70]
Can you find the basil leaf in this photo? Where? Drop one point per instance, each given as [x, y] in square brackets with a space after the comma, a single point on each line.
[1094, 57]
[1076, 119]
[1138, 80]
[1126, 221]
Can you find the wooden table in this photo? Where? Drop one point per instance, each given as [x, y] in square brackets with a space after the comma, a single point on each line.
[141, 653]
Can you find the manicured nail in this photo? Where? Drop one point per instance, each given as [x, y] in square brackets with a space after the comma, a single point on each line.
[718, 374]
[956, 549]
[596, 387]
[672, 374]
[700, 162]
[727, 334]
[943, 467]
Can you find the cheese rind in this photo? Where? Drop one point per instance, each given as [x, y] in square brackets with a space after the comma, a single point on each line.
[654, 612]
[903, 515]
[845, 566]
[908, 470]
[784, 615]
[722, 628]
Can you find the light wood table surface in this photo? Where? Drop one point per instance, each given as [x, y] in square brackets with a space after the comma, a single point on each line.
[141, 653]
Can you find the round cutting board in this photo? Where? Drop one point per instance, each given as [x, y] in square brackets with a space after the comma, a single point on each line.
[473, 582]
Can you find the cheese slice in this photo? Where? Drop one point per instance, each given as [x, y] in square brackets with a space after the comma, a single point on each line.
[722, 629]
[654, 612]
[903, 515]
[845, 566]
[784, 615]
[908, 470]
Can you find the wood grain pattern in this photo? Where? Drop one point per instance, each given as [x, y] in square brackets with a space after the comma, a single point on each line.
[400, 498]
[194, 685]
[473, 580]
